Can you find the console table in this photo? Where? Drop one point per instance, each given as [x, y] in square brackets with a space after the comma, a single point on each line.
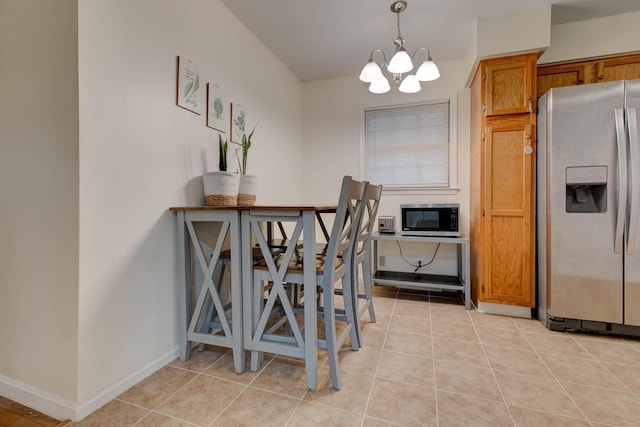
[460, 282]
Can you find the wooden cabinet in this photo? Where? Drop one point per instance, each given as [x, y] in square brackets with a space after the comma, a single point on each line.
[621, 67]
[508, 85]
[618, 68]
[561, 75]
[509, 171]
[503, 181]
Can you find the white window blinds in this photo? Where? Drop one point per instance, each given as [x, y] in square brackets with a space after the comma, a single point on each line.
[408, 145]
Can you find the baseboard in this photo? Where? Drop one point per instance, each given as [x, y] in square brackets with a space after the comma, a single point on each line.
[40, 400]
[504, 309]
[60, 408]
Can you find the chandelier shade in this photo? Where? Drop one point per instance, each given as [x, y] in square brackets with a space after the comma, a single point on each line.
[428, 71]
[380, 85]
[410, 84]
[400, 65]
[400, 62]
[370, 72]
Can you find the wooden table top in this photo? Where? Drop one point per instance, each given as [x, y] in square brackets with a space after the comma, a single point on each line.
[319, 208]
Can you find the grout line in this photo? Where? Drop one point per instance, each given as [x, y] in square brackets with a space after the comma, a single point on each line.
[249, 384]
[554, 376]
[164, 415]
[601, 364]
[375, 373]
[493, 372]
[433, 363]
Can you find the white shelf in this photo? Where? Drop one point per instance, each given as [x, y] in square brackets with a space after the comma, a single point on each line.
[460, 283]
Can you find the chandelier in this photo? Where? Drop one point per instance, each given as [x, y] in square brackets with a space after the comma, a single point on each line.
[401, 63]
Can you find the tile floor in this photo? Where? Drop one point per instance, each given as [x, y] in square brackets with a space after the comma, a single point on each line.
[427, 361]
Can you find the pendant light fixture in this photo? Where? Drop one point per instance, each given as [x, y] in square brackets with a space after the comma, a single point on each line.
[401, 63]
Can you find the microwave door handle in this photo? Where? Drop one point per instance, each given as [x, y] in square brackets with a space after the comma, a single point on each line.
[622, 181]
[634, 193]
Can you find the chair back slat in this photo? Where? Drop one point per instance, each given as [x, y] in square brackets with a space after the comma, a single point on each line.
[369, 214]
[346, 224]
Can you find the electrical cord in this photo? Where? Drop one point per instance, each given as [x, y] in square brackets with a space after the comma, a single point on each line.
[419, 265]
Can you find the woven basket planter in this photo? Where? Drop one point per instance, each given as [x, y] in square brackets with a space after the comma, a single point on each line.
[221, 188]
[248, 190]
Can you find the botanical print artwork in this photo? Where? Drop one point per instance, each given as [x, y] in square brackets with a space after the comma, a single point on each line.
[217, 108]
[189, 87]
[238, 123]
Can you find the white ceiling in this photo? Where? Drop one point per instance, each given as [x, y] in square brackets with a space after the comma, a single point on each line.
[319, 39]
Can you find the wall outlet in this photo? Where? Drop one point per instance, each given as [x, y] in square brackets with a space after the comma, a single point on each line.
[381, 261]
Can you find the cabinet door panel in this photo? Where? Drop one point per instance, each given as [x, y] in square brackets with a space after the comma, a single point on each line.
[623, 68]
[559, 76]
[508, 86]
[509, 163]
[507, 266]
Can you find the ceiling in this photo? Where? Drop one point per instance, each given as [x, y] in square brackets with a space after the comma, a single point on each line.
[320, 39]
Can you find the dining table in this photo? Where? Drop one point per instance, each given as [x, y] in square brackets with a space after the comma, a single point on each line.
[246, 232]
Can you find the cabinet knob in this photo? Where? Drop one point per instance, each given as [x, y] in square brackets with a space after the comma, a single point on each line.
[528, 150]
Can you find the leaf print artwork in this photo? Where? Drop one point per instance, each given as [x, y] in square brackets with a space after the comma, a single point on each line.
[239, 123]
[217, 109]
[190, 96]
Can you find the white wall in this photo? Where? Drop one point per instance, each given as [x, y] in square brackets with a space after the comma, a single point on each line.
[594, 37]
[140, 154]
[514, 32]
[331, 116]
[39, 192]
[510, 33]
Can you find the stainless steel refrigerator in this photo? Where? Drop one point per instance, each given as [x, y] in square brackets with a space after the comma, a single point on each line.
[588, 195]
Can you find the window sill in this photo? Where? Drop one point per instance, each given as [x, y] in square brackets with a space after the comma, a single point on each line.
[399, 190]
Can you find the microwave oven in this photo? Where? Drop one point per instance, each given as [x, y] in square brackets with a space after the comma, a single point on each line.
[434, 219]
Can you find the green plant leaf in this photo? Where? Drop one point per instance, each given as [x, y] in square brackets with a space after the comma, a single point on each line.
[196, 85]
[222, 151]
[218, 107]
[187, 89]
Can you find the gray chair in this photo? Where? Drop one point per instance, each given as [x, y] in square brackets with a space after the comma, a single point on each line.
[331, 267]
[363, 301]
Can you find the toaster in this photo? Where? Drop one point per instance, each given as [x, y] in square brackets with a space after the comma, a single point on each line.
[387, 224]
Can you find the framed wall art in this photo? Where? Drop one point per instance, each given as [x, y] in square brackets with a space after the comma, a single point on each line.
[238, 122]
[190, 93]
[217, 108]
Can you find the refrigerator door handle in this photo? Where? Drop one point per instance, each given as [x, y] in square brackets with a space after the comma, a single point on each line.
[622, 181]
[632, 231]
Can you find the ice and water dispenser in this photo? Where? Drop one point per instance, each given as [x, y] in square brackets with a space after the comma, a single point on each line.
[586, 189]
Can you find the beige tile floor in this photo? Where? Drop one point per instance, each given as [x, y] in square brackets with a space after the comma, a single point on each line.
[426, 361]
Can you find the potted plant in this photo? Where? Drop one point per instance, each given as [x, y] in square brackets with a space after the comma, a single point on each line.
[248, 183]
[221, 187]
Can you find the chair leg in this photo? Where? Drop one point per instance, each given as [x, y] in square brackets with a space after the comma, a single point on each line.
[356, 305]
[366, 276]
[258, 303]
[330, 336]
[206, 327]
[210, 315]
[350, 299]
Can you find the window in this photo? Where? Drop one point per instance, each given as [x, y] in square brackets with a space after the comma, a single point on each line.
[410, 146]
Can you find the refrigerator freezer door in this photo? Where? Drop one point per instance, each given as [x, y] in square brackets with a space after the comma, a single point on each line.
[632, 257]
[541, 206]
[584, 278]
